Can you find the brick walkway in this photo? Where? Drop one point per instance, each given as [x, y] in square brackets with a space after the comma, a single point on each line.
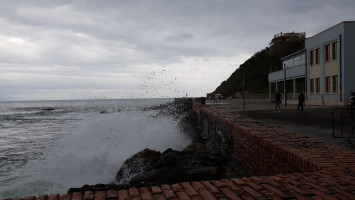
[325, 171]
[319, 185]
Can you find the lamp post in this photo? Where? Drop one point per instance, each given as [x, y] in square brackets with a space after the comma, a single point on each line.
[243, 92]
[285, 92]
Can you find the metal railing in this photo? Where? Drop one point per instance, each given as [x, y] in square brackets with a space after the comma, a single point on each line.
[238, 103]
[342, 122]
[222, 103]
[290, 96]
[324, 99]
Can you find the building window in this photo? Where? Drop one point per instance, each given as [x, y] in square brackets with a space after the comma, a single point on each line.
[335, 83]
[314, 57]
[316, 61]
[317, 85]
[302, 59]
[327, 52]
[327, 84]
[312, 85]
[335, 50]
[311, 57]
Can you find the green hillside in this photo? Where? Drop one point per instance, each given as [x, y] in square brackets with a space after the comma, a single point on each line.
[256, 69]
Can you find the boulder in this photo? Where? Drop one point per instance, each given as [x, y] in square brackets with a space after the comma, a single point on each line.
[140, 163]
[149, 167]
[194, 163]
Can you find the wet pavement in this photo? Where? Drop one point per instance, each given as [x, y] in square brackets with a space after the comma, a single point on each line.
[315, 121]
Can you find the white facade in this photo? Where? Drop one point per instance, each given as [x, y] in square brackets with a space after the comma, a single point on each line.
[327, 64]
[331, 63]
[294, 68]
[296, 61]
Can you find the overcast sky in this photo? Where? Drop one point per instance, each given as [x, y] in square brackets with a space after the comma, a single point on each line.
[104, 49]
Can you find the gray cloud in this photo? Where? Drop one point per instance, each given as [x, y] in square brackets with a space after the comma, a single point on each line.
[88, 43]
[179, 37]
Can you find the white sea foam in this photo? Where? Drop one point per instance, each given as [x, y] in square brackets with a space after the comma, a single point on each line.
[95, 152]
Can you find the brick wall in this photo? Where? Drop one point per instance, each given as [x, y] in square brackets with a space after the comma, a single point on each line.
[266, 150]
[238, 141]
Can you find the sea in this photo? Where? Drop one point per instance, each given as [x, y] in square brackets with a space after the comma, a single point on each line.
[47, 147]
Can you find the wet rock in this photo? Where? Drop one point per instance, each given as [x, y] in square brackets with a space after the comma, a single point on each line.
[140, 163]
[203, 173]
[196, 147]
[149, 167]
[193, 163]
[168, 158]
[93, 188]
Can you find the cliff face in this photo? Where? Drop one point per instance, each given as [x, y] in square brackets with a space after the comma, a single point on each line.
[257, 67]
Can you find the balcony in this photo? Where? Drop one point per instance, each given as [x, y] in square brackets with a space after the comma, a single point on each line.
[291, 73]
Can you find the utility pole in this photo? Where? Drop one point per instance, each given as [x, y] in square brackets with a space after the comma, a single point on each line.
[243, 92]
[285, 92]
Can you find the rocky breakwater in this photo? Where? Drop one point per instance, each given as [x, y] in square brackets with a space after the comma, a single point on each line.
[149, 168]
[194, 163]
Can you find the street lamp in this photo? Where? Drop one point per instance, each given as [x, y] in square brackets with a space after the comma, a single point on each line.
[285, 92]
[243, 92]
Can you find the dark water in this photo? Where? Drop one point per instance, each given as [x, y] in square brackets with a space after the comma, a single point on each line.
[50, 146]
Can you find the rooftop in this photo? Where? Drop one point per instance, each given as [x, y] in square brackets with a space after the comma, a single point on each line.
[343, 22]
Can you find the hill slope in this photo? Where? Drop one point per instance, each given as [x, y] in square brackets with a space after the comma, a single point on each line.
[256, 69]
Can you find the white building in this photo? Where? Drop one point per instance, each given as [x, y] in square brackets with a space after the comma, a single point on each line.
[329, 70]
[292, 76]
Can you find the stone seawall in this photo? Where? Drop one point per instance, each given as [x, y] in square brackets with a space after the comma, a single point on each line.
[236, 137]
[283, 165]
[267, 150]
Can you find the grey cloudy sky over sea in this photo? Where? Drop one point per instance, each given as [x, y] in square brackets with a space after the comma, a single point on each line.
[106, 49]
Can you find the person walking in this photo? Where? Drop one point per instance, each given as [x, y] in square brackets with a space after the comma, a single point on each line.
[277, 102]
[300, 102]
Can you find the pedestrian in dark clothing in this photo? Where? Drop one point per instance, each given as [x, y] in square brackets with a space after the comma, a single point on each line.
[300, 102]
[277, 102]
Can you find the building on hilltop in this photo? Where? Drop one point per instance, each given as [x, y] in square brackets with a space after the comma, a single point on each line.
[328, 70]
[287, 37]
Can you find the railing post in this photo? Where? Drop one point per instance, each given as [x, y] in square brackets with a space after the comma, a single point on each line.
[230, 104]
[322, 99]
[333, 123]
[341, 122]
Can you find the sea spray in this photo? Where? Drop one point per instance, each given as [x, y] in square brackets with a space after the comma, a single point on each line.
[94, 153]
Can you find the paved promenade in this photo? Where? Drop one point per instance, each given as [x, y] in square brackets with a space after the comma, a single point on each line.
[315, 121]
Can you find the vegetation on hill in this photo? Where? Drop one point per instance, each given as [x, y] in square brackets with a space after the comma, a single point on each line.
[256, 69]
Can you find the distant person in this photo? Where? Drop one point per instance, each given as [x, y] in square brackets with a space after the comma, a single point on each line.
[277, 102]
[300, 102]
